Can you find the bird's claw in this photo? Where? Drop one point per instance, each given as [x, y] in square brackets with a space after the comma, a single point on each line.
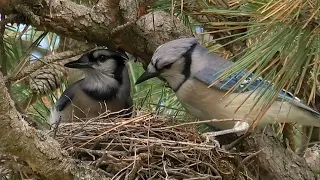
[210, 138]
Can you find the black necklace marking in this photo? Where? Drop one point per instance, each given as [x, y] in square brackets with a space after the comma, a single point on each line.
[187, 67]
[105, 95]
[119, 69]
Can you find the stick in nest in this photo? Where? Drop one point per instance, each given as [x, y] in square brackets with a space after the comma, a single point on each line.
[144, 148]
[126, 122]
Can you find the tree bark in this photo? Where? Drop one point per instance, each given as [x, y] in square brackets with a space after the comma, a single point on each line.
[116, 24]
[137, 33]
[276, 162]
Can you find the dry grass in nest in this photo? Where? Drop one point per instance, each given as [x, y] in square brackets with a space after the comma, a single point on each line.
[147, 147]
[144, 147]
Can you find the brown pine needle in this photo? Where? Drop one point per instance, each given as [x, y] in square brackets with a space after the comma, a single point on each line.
[114, 128]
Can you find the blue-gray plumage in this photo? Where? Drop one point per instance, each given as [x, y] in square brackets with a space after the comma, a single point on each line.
[105, 87]
[189, 68]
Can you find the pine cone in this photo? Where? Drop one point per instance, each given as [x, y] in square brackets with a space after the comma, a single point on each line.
[48, 78]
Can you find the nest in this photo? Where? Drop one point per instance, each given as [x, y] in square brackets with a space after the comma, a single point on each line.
[147, 147]
[144, 147]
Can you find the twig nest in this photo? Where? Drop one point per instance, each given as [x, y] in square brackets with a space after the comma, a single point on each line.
[146, 147]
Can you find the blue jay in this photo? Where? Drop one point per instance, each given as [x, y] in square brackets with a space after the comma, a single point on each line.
[189, 68]
[105, 87]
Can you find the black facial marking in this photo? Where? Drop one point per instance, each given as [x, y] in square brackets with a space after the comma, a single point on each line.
[168, 66]
[105, 95]
[118, 71]
[91, 57]
[102, 58]
[187, 67]
[156, 65]
[109, 54]
[99, 95]
[102, 55]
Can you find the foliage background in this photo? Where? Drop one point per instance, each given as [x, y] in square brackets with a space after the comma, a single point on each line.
[276, 39]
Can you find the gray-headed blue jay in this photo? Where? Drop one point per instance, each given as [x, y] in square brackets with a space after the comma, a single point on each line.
[105, 87]
[189, 68]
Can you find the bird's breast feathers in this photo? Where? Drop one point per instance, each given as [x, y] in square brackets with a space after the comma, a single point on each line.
[209, 103]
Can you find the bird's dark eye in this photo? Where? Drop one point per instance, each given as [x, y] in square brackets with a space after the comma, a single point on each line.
[102, 58]
[167, 66]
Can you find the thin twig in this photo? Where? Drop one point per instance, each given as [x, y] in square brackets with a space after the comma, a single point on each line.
[101, 152]
[138, 148]
[100, 160]
[136, 166]
[247, 159]
[199, 122]
[172, 142]
[236, 142]
[118, 174]
[124, 123]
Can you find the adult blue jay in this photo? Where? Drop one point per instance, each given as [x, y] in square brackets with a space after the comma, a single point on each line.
[189, 68]
[105, 87]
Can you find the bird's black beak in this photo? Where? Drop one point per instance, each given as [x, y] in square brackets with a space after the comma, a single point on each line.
[147, 75]
[79, 64]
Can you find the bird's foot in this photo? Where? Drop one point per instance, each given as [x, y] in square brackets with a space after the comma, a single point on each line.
[233, 144]
[210, 139]
[239, 127]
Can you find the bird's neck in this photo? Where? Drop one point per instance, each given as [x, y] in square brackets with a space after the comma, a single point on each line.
[100, 86]
[178, 78]
[175, 81]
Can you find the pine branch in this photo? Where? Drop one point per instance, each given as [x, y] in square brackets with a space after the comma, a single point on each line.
[47, 60]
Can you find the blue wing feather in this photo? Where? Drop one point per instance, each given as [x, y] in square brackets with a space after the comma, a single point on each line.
[209, 75]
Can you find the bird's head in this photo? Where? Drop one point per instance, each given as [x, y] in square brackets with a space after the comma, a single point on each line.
[172, 62]
[100, 62]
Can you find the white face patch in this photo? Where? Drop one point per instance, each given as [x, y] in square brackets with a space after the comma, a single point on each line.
[107, 67]
[101, 78]
[98, 53]
[100, 82]
[151, 69]
[174, 75]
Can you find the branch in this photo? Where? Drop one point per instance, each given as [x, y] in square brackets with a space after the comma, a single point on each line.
[47, 60]
[42, 153]
[275, 161]
[99, 23]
